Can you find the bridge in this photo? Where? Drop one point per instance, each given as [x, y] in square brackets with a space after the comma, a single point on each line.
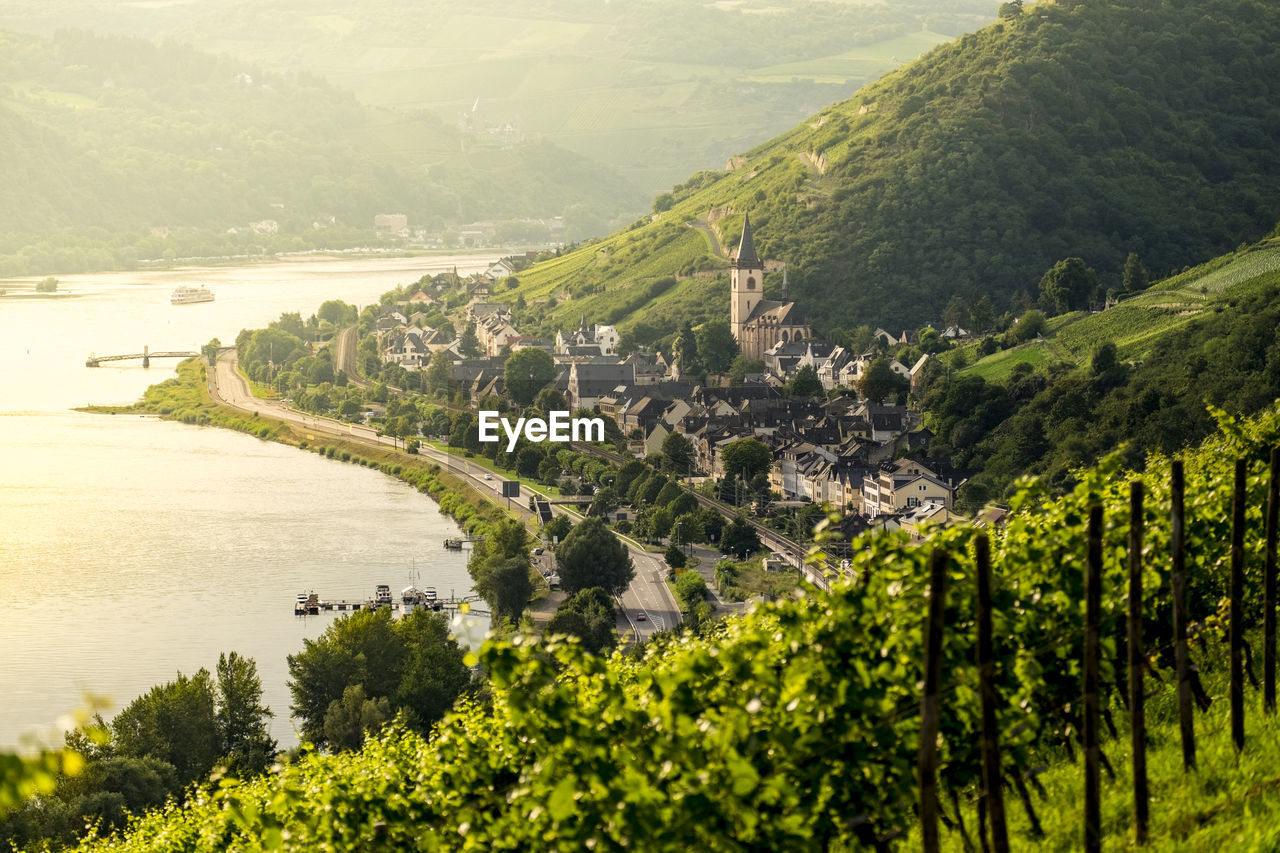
[146, 355]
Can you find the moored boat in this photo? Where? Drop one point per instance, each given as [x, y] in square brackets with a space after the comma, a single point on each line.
[187, 295]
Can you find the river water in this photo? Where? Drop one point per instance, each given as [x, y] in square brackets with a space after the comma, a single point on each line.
[133, 548]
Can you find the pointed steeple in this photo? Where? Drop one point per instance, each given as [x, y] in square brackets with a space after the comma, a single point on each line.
[747, 247]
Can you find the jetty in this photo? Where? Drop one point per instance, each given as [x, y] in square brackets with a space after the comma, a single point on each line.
[310, 604]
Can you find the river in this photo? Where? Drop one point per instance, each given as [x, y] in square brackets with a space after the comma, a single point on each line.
[133, 548]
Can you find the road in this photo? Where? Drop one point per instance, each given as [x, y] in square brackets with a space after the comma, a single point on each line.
[648, 605]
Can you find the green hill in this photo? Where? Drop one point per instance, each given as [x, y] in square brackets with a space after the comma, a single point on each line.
[796, 726]
[1083, 128]
[1138, 376]
[108, 138]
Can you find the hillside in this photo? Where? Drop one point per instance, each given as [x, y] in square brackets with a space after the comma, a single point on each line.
[1083, 128]
[654, 89]
[797, 725]
[1139, 376]
[108, 138]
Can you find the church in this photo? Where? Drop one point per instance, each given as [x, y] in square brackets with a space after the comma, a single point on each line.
[759, 323]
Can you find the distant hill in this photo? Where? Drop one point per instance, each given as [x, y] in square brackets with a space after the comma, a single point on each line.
[1082, 128]
[105, 139]
[654, 89]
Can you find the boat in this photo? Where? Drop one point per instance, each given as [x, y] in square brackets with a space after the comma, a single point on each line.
[307, 604]
[429, 594]
[187, 295]
[382, 595]
[453, 544]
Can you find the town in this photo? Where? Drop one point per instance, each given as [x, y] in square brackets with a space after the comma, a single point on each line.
[838, 424]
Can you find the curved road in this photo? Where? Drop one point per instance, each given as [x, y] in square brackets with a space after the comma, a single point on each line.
[648, 605]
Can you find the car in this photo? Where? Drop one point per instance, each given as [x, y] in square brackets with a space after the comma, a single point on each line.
[537, 552]
[488, 476]
[640, 617]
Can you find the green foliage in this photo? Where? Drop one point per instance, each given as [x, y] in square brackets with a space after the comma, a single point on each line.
[674, 557]
[677, 455]
[589, 615]
[1068, 285]
[413, 663]
[591, 555]
[879, 382]
[805, 383]
[1029, 325]
[47, 285]
[175, 723]
[739, 538]
[746, 458]
[691, 590]
[527, 372]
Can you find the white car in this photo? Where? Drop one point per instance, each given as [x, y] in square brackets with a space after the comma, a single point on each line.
[488, 476]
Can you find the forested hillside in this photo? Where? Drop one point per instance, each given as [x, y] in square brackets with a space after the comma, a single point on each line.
[105, 139]
[1088, 128]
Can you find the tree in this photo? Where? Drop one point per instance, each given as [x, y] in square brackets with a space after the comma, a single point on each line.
[677, 454]
[674, 557]
[348, 719]
[1069, 285]
[982, 315]
[739, 538]
[589, 615]
[805, 383]
[687, 528]
[1135, 278]
[242, 718]
[745, 458]
[47, 285]
[717, 346]
[527, 372]
[604, 502]
[337, 312]
[691, 590]
[1010, 11]
[558, 526]
[879, 382]
[1029, 325]
[361, 648]
[440, 373]
[955, 313]
[741, 366]
[174, 722]
[505, 584]
[550, 400]
[660, 522]
[591, 555]
[434, 673]
[685, 349]
[469, 344]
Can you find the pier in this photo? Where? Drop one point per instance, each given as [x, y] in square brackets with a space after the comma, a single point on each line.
[314, 605]
[146, 355]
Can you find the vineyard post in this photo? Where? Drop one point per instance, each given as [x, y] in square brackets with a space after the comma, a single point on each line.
[1092, 656]
[1137, 710]
[929, 719]
[1182, 655]
[1236, 630]
[991, 778]
[1269, 589]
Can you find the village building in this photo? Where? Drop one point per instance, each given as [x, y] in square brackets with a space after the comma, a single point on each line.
[758, 323]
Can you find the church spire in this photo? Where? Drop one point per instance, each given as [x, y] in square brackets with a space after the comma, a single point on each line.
[747, 247]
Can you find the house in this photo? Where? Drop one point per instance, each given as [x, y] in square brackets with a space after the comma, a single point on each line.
[422, 298]
[596, 340]
[916, 374]
[499, 269]
[390, 223]
[904, 484]
[588, 382]
[480, 310]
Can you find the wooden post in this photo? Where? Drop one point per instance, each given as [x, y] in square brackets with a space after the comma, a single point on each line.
[1236, 630]
[1092, 658]
[1137, 709]
[1269, 589]
[929, 711]
[991, 777]
[1182, 655]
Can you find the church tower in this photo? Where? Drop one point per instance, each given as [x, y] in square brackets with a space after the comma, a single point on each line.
[746, 281]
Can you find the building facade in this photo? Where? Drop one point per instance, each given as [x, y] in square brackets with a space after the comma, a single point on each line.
[758, 323]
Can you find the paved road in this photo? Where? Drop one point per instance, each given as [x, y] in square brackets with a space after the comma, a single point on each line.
[648, 594]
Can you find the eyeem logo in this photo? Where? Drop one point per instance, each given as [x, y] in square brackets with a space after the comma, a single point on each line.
[557, 427]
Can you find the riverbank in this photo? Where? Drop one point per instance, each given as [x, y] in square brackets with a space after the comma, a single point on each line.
[185, 398]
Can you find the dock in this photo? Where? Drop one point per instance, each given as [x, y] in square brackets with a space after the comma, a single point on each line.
[312, 605]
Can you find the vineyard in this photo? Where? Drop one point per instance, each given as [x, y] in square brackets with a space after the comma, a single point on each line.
[799, 725]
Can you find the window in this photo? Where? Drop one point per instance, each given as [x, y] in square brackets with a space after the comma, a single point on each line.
[911, 501]
[751, 282]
